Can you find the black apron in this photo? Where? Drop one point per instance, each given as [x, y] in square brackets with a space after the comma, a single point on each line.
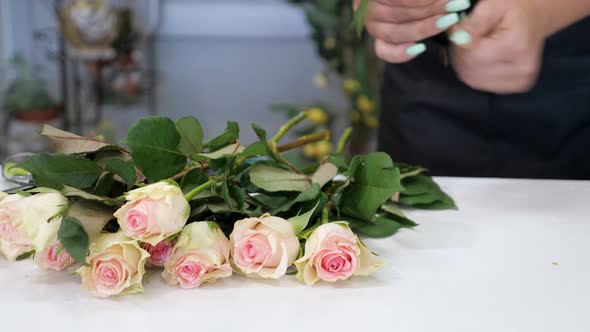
[430, 118]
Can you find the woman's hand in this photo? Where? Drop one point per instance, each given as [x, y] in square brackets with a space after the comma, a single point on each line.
[399, 25]
[500, 46]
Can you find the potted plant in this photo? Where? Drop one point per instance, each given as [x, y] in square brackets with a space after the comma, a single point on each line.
[26, 95]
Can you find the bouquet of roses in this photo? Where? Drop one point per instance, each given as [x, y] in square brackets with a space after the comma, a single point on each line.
[202, 210]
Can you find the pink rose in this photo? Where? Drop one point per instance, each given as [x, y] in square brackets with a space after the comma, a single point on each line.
[200, 255]
[263, 247]
[50, 259]
[159, 253]
[153, 213]
[116, 266]
[333, 252]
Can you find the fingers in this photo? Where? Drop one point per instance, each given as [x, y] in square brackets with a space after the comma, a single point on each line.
[484, 19]
[381, 11]
[482, 71]
[394, 33]
[398, 53]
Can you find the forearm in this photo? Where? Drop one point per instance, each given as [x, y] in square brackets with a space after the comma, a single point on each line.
[559, 14]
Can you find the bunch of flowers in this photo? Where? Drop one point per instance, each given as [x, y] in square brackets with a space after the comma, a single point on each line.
[203, 210]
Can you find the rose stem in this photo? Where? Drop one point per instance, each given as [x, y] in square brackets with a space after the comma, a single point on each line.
[198, 189]
[285, 128]
[343, 140]
[304, 140]
[325, 214]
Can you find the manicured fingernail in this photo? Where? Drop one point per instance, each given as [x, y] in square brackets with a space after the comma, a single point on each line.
[457, 5]
[416, 49]
[447, 20]
[460, 37]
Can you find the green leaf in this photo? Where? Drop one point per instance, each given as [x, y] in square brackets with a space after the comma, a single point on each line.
[25, 255]
[277, 179]
[255, 149]
[124, 169]
[373, 179]
[192, 179]
[225, 194]
[269, 202]
[41, 190]
[104, 186]
[230, 150]
[380, 228]
[422, 192]
[191, 135]
[55, 171]
[300, 222]
[392, 208]
[230, 135]
[221, 207]
[360, 15]
[310, 194]
[395, 213]
[153, 142]
[339, 160]
[261, 134]
[74, 192]
[444, 203]
[407, 171]
[420, 184]
[402, 220]
[74, 239]
[238, 194]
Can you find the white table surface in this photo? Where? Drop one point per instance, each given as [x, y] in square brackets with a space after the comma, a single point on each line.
[515, 257]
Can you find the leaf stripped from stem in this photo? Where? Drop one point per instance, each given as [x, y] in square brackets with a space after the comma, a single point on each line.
[304, 140]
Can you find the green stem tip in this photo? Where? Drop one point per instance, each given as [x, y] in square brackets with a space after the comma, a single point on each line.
[287, 126]
[193, 193]
[344, 140]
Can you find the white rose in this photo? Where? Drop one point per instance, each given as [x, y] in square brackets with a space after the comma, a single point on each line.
[26, 224]
[154, 212]
[200, 255]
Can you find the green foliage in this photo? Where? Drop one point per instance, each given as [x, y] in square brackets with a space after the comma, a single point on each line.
[230, 135]
[191, 135]
[55, 171]
[154, 145]
[271, 178]
[301, 221]
[379, 228]
[373, 180]
[224, 181]
[422, 192]
[74, 239]
[124, 169]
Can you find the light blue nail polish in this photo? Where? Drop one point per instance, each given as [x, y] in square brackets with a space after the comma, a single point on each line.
[416, 49]
[457, 5]
[447, 20]
[460, 37]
